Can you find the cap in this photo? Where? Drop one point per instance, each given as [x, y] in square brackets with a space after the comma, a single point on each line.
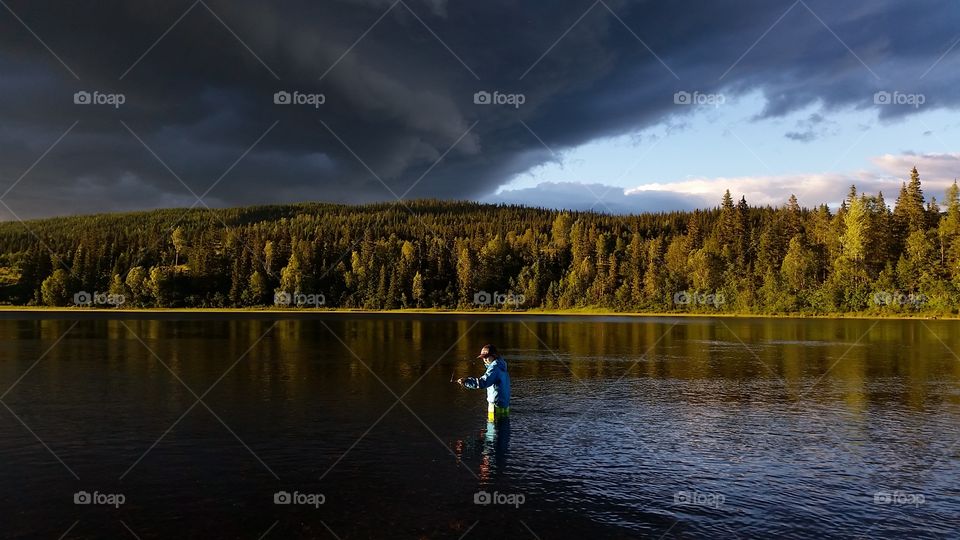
[487, 351]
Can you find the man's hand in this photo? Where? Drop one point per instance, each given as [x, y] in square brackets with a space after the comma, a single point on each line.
[460, 381]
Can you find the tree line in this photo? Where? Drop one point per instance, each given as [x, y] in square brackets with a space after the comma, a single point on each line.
[862, 257]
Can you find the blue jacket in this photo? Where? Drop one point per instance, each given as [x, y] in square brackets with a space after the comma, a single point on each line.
[497, 382]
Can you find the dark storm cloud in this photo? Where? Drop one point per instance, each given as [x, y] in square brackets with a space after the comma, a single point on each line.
[403, 96]
[812, 128]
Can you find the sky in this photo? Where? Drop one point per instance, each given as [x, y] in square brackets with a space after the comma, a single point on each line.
[607, 105]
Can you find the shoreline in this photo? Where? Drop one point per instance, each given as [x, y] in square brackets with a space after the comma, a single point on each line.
[297, 313]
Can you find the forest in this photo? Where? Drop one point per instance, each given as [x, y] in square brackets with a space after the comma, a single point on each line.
[864, 257]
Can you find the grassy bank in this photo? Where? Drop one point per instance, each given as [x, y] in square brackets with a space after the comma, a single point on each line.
[578, 312]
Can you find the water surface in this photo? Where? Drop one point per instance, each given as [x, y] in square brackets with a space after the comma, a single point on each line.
[620, 427]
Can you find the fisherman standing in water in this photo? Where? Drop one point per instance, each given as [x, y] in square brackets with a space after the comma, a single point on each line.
[496, 380]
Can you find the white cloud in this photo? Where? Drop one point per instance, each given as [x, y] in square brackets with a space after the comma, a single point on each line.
[599, 198]
[810, 189]
[937, 172]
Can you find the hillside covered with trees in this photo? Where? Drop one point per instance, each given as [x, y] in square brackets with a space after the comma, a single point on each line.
[865, 257]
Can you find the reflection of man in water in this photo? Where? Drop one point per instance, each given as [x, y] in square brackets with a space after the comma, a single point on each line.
[496, 443]
[495, 379]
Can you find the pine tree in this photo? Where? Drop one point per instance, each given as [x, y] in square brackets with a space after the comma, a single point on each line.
[853, 241]
[910, 212]
[419, 293]
[799, 267]
[635, 268]
[948, 233]
[560, 231]
[743, 233]
[465, 278]
[792, 216]
[695, 231]
[291, 277]
[257, 289]
[118, 290]
[179, 241]
[728, 227]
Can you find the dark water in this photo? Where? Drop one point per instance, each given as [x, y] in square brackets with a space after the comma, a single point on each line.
[620, 428]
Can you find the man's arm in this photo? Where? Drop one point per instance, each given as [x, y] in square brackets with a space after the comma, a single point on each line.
[487, 379]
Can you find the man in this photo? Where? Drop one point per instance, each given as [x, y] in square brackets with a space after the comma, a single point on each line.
[496, 380]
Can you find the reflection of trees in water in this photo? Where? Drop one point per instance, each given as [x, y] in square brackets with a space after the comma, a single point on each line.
[802, 359]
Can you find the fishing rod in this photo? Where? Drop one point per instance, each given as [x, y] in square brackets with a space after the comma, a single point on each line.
[453, 378]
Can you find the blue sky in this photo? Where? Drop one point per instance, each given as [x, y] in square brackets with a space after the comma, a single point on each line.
[728, 143]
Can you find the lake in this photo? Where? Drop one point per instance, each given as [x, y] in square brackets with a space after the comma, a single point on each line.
[348, 426]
